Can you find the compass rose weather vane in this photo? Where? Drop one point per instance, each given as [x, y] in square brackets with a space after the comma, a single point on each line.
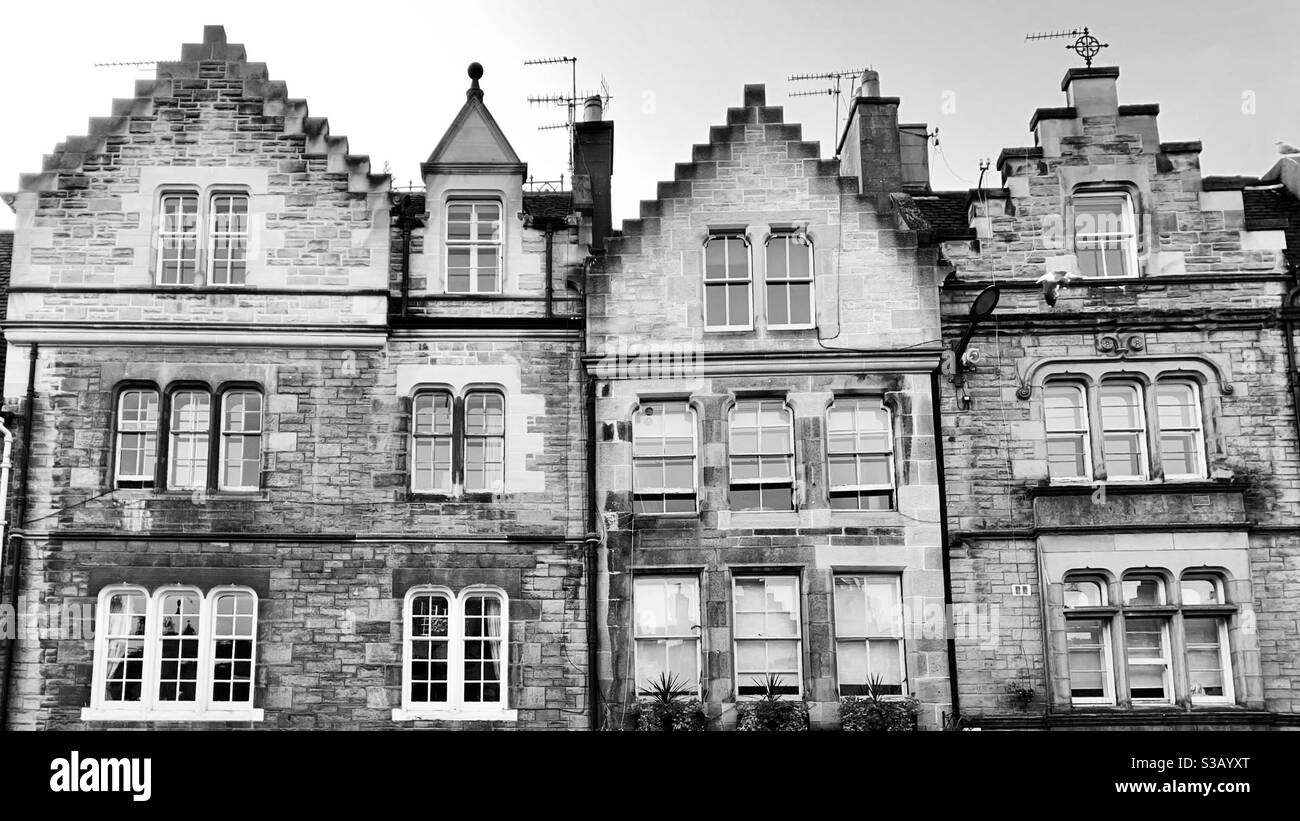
[1085, 45]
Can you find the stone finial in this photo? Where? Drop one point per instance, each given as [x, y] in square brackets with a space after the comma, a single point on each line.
[475, 74]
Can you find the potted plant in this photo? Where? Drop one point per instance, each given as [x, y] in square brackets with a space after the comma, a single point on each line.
[670, 707]
[1022, 693]
[878, 712]
[771, 712]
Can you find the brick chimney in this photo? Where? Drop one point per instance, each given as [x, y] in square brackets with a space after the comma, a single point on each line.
[593, 167]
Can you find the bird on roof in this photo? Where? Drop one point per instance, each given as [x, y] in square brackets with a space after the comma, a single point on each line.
[1286, 148]
[1053, 282]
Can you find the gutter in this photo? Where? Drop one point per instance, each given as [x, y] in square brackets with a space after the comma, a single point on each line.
[15, 541]
[943, 539]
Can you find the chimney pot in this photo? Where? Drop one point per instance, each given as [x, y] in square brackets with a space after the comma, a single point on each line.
[593, 110]
[870, 84]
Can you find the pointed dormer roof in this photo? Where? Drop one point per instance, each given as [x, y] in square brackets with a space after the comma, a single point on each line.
[474, 143]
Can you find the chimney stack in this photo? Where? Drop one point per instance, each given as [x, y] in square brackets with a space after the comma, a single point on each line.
[871, 146]
[593, 168]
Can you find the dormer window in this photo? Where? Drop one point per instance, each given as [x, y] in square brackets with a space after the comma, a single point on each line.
[1105, 234]
[473, 247]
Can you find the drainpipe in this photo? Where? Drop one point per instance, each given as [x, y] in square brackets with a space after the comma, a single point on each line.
[943, 538]
[407, 219]
[1290, 303]
[592, 546]
[16, 540]
[550, 267]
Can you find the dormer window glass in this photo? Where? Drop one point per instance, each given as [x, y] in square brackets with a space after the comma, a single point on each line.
[1105, 234]
[473, 247]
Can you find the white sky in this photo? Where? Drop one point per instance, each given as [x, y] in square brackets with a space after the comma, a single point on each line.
[391, 75]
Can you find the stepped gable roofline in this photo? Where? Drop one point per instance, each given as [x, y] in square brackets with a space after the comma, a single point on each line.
[474, 143]
[69, 156]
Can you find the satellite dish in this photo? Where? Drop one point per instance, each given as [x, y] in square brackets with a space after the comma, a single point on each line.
[984, 304]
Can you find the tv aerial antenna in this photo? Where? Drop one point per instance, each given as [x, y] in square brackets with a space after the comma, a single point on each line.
[569, 101]
[1085, 45]
[836, 90]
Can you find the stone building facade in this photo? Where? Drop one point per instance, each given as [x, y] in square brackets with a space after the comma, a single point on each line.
[1122, 465]
[312, 449]
[311, 452]
[765, 461]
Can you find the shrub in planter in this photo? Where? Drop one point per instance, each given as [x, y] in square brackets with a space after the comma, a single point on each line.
[770, 712]
[876, 712]
[670, 707]
[682, 715]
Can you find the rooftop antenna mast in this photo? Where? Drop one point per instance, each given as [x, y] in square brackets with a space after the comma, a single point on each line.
[836, 91]
[570, 101]
[1085, 45]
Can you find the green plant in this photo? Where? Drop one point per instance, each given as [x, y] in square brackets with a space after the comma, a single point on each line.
[878, 712]
[1022, 693]
[771, 712]
[670, 707]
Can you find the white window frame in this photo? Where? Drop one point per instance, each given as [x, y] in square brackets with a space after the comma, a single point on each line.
[202, 434]
[1106, 618]
[226, 434]
[888, 452]
[694, 636]
[1083, 434]
[1127, 235]
[195, 236]
[737, 639]
[144, 479]
[1142, 430]
[726, 283]
[1225, 660]
[433, 437]
[896, 599]
[474, 243]
[149, 707]
[485, 438]
[760, 454]
[1164, 662]
[455, 708]
[1193, 611]
[790, 240]
[214, 235]
[661, 493]
[1197, 430]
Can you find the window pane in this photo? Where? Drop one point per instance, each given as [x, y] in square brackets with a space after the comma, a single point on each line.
[738, 305]
[1086, 645]
[1143, 591]
[800, 304]
[1205, 657]
[1063, 408]
[1120, 407]
[715, 305]
[1200, 591]
[715, 259]
[850, 606]
[1177, 405]
[1083, 593]
[778, 307]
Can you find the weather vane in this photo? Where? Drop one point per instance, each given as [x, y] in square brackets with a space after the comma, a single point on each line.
[1086, 46]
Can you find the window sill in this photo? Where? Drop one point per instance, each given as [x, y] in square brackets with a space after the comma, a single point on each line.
[792, 327]
[101, 714]
[452, 714]
[730, 329]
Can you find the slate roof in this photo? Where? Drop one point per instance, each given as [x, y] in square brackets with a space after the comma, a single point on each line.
[552, 206]
[1275, 209]
[942, 214]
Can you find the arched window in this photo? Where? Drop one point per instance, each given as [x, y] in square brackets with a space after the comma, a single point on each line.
[663, 458]
[456, 653]
[241, 440]
[860, 454]
[728, 277]
[431, 442]
[1182, 435]
[175, 654]
[1105, 233]
[762, 455]
[137, 437]
[788, 277]
[1065, 415]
